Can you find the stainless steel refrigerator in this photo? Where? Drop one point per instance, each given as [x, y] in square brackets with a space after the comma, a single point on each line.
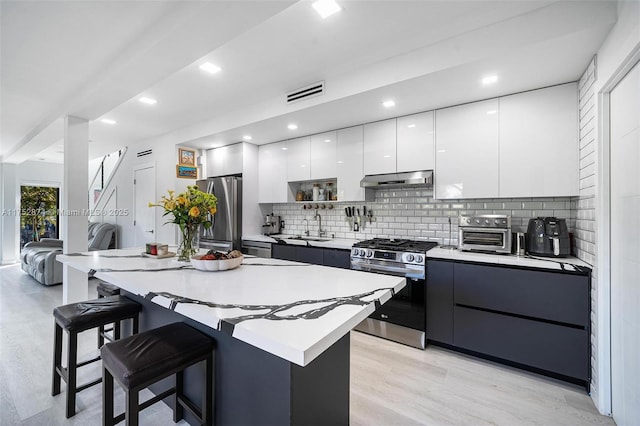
[226, 231]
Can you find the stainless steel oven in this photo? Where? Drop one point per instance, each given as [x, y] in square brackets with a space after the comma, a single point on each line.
[485, 233]
[403, 317]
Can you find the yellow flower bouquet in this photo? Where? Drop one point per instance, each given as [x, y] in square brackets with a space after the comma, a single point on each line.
[189, 209]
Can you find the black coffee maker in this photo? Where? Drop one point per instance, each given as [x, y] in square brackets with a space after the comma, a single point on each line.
[549, 237]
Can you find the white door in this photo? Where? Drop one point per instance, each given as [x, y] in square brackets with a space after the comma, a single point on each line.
[144, 217]
[625, 249]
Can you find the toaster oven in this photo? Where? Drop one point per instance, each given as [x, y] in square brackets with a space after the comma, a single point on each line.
[485, 233]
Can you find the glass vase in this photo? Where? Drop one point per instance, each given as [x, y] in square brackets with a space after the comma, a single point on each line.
[188, 241]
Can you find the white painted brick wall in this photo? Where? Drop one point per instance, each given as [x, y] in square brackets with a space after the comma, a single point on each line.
[414, 213]
[585, 204]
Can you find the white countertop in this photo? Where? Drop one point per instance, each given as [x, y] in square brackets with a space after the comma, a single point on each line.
[339, 243]
[289, 309]
[556, 264]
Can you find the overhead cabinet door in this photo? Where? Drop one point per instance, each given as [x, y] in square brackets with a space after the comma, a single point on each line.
[539, 143]
[380, 147]
[298, 159]
[272, 176]
[350, 164]
[467, 151]
[415, 142]
[323, 156]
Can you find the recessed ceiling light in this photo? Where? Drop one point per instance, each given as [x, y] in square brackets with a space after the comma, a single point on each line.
[388, 104]
[326, 8]
[108, 121]
[210, 68]
[284, 148]
[292, 126]
[493, 111]
[387, 156]
[148, 101]
[411, 126]
[340, 162]
[327, 140]
[489, 79]
[247, 137]
[442, 150]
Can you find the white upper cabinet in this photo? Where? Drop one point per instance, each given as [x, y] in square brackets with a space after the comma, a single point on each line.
[415, 144]
[298, 159]
[467, 151]
[323, 156]
[380, 147]
[272, 175]
[226, 160]
[539, 143]
[349, 162]
[214, 162]
[232, 163]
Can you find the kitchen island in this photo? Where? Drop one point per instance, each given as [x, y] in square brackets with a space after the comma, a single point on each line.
[281, 328]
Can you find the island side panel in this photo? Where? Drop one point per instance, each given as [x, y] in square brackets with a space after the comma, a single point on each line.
[252, 386]
[320, 391]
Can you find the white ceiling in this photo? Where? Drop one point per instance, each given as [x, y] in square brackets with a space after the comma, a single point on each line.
[95, 59]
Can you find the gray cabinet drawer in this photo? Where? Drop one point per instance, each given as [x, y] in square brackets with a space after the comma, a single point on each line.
[439, 290]
[539, 294]
[337, 258]
[562, 350]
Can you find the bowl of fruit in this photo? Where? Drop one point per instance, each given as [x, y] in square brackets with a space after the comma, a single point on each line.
[215, 260]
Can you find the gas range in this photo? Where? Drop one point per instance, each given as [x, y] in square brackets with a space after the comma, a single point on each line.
[406, 258]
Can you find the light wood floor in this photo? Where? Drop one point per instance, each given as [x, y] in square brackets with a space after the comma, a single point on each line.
[391, 384]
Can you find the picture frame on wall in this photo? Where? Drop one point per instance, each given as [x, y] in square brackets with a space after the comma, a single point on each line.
[186, 172]
[186, 157]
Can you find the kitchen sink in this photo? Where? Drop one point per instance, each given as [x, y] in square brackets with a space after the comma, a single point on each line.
[300, 237]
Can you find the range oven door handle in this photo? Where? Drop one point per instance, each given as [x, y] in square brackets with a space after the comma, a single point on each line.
[388, 270]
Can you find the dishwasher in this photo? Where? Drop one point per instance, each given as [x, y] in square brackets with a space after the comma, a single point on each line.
[257, 248]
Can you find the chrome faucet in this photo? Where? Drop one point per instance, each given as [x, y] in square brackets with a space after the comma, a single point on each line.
[319, 219]
[306, 224]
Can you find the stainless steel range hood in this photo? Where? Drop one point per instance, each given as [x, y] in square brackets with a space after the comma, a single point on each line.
[399, 180]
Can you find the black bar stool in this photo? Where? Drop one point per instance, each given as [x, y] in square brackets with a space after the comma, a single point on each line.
[138, 361]
[75, 318]
[105, 289]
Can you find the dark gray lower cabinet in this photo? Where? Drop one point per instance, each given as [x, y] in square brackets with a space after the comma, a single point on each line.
[534, 318]
[284, 252]
[337, 258]
[439, 293]
[313, 255]
[559, 349]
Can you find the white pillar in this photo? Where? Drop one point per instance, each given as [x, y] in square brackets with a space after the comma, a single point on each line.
[9, 238]
[75, 205]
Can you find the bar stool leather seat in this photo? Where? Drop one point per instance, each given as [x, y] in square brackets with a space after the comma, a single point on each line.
[138, 361]
[75, 318]
[92, 313]
[105, 289]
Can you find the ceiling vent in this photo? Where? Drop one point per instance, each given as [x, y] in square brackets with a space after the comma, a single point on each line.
[143, 153]
[310, 91]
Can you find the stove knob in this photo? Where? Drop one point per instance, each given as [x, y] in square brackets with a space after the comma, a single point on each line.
[468, 220]
[410, 258]
[355, 252]
[369, 253]
[419, 259]
[478, 221]
[486, 221]
[362, 253]
[497, 222]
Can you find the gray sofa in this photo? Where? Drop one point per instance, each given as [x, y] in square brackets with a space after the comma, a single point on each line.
[39, 257]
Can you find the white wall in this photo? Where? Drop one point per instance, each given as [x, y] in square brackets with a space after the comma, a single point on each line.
[119, 192]
[14, 176]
